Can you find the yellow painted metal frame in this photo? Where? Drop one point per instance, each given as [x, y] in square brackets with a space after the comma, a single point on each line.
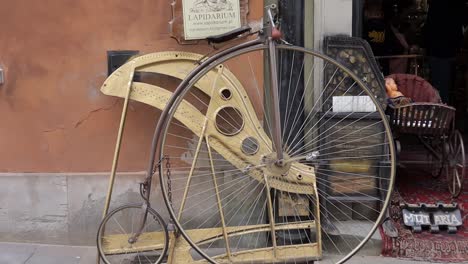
[299, 179]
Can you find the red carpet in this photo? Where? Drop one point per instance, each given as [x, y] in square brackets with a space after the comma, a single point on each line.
[416, 185]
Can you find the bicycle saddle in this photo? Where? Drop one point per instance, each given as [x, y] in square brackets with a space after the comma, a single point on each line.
[228, 35]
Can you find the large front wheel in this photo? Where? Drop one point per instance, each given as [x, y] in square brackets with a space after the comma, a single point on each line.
[228, 193]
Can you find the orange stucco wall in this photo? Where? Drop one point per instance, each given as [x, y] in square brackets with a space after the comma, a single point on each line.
[53, 116]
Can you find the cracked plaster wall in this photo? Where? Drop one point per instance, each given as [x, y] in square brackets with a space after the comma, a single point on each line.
[55, 122]
[54, 118]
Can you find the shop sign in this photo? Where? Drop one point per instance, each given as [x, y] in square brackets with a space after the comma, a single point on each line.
[433, 216]
[448, 218]
[204, 18]
[413, 219]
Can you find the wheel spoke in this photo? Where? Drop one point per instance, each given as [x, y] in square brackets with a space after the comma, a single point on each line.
[218, 199]
[194, 162]
[457, 177]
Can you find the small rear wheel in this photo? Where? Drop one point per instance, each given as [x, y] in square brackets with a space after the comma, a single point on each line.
[455, 164]
[117, 242]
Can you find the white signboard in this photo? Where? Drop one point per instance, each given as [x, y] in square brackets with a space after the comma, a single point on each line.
[204, 18]
[353, 104]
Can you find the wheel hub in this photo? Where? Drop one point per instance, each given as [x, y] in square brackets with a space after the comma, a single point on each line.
[275, 167]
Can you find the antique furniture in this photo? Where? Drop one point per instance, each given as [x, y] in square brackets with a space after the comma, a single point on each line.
[433, 123]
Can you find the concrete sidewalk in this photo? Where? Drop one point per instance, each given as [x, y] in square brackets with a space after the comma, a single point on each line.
[23, 253]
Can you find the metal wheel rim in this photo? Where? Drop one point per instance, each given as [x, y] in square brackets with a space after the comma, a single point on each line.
[179, 94]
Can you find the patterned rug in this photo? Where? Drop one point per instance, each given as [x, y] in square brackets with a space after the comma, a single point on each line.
[416, 185]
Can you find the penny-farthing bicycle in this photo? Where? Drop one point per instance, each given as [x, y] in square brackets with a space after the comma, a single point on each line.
[240, 154]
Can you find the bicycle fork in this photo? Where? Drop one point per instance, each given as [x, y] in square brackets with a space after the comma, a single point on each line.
[274, 110]
[274, 106]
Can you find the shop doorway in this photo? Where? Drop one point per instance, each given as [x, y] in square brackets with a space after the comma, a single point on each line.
[427, 38]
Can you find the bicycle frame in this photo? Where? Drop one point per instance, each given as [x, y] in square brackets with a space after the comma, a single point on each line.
[262, 39]
[268, 42]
